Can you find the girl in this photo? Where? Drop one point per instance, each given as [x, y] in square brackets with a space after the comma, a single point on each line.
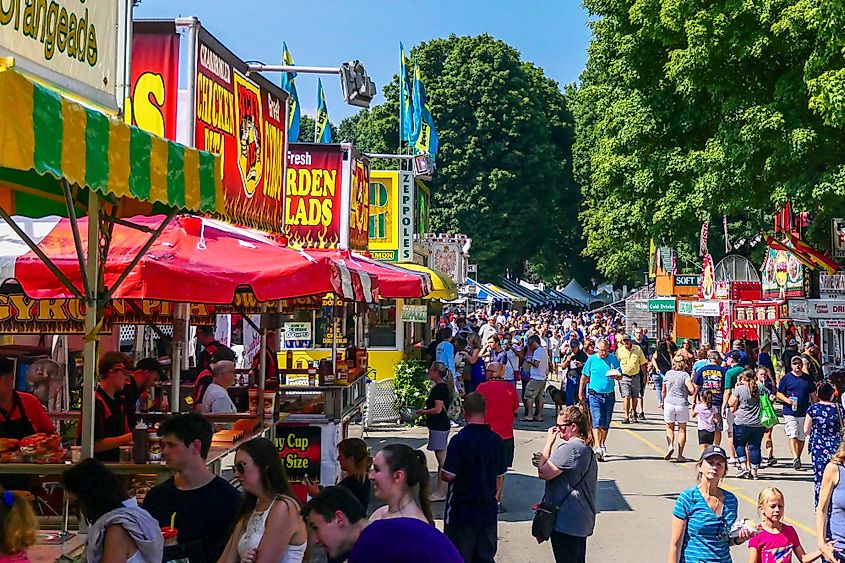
[708, 417]
[269, 528]
[17, 527]
[353, 455]
[823, 424]
[397, 469]
[776, 542]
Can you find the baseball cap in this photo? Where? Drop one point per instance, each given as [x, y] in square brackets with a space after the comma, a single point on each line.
[797, 360]
[735, 356]
[792, 342]
[714, 450]
[626, 337]
[574, 342]
[737, 343]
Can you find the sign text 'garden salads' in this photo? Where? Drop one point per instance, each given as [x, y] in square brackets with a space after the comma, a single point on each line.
[314, 188]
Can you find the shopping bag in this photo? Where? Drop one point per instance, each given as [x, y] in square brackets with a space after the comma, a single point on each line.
[768, 415]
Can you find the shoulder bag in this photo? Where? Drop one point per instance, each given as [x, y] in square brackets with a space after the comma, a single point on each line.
[545, 513]
[768, 415]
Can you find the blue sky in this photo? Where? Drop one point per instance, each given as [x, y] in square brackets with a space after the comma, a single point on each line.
[550, 33]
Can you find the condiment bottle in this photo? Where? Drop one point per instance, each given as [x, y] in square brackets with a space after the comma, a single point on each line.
[165, 402]
[139, 438]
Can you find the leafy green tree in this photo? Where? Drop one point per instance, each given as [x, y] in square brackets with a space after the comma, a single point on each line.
[307, 126]
[692, 110]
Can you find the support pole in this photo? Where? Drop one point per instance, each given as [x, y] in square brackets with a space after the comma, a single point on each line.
[77, 240]
[262, 363]
[179, 348]
[92, 314]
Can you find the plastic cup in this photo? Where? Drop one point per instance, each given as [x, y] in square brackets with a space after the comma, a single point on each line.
[75, 454]
[126, 454]
[253, 400]
[170, 535]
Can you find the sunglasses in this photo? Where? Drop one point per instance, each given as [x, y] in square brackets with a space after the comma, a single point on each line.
[239, 467]
[723, 533]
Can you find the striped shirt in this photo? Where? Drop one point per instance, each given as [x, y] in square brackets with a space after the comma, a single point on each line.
[706, 535]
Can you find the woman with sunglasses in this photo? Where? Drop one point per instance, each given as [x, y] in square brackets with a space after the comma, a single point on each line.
[571, 476]
[704, 515]
[269, 528]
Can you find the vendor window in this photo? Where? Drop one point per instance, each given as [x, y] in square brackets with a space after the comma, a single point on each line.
[381, 319]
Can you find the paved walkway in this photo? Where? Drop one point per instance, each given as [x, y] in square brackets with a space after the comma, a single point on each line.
[637, 490]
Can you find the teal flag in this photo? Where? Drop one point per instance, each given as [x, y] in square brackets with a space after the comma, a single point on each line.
[289, 86]
[425, 135]
[322, 129]
[406, 113]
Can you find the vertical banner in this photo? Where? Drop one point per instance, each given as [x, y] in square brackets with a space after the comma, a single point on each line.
[837, 238]
[243, 120]
[406, 217]
[299, 448]
[155, 78]
[384, 213]
[359, 203]
[314, 189]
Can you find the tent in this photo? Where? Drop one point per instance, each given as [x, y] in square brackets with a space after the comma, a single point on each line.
[574, 291]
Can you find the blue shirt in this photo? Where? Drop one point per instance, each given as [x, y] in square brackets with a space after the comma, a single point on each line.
[801, 387]
[743, 357]
[699, 364]
[596, 369]
[711, 377]
[706, 535]
[446, 354]
[403, 539]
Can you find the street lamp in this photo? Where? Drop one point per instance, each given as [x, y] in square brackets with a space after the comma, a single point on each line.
[358, 89]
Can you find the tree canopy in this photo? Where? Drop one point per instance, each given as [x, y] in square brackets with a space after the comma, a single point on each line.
[504, 175]
[691, 110]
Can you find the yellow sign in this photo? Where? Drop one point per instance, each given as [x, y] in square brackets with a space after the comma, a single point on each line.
[384, 213]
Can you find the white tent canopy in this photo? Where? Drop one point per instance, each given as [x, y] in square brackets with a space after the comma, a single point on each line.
[573, 290]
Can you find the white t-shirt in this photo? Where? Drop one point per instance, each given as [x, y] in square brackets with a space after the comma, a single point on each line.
[216, 400]
[512, 366]
[486, 332]
[542, 370]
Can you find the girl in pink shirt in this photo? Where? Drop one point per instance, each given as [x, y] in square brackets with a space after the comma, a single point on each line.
[17, 527]
[776, 542]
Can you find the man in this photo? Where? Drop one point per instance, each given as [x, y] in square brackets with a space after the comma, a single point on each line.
[206, 376]
[790, 352]
[633, 363]
[537, 359]
[445, 352]
[738, 347]
[598, 376]
[338, 522]
[502, 406]
[475, 470]
[812, 367]
[711, 377]
[488, 330]
[496, 352]
[734, 369]
[146, 375]
[512, 363]
[111, 429]
[794, 391]
[205, 505]
[205, 338]
[572, 365]
[216, 399]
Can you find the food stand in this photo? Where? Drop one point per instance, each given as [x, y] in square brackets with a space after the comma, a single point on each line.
[828, 313]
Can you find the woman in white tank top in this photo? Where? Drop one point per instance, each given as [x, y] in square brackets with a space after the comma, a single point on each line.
[269, 528]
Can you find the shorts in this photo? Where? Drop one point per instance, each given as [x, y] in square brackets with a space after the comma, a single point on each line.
[795, 427]
[601, 408]
[535, 389]
[706, 438]
[509, 449]
[629, 386]
[675, 414]
[728, 422]
[437, 440]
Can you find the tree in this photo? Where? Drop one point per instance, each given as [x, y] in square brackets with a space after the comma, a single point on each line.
[307, 126]
[504, 174]
[695, 111]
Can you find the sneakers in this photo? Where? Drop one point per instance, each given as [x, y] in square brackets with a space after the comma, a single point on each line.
[642, 416]
[604, 450]
[669, 453]
[772, 462]
[796, 463]
[743, 474]
[626, 420]
[599, 454]
[502, 509]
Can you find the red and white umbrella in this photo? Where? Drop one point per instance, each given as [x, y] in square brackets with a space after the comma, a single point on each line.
[394, 282]
[195, 260]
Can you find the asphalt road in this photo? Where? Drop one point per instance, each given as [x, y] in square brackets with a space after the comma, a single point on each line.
[637, 490]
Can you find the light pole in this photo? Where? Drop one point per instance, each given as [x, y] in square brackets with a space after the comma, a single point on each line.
[358, 89]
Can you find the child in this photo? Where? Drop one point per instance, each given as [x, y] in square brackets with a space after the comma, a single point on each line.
[17, 527]
[776, 542]
[708, 417]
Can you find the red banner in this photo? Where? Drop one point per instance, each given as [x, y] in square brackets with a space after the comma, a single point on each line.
[155, 78]
[359, 205]
[243, 120]
[314, 189]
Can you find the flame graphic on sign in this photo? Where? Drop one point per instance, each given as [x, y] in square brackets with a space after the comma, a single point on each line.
[323, 239]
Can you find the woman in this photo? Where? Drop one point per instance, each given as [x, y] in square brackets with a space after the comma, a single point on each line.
[269, 528]
[119, 529]
[397, 469]
[704, 514]
[823, 424]
[764, 378]
[830, 512]
[687, 352]
[571, 476]
[747, 429]
[661, 361]
[437, 421]
[677, 388]
[701, 358]
[353, 455]
[474, 374]
[18, 527]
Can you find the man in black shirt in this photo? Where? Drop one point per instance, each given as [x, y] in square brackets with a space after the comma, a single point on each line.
[572, 364]
[147, 373]
[110, 427]
[205, 505]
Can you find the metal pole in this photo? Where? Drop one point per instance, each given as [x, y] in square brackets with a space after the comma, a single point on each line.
[89, 353]
[291, 68]
[77, 240]
[141, 253]
[262, 363]
[179, 348]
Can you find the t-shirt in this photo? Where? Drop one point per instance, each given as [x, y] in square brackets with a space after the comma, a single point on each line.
[801, 387]
[34, 412]
[439, 421]
[664, 356]
[579, 480]
[403, 539]
[711, 378]
[677, 393]
[704, 529]
[476, 457]
[512, 365]
[445, 353]
[775, 547]
[706, 417]
[731, 376]
[699, 364]
[359, 489]
[502, 402]
[109, 422]
[204, 516]
[596, 369]
[217, 400]
[631, 361]
[541, 371]
[748, 410]
[573, 372]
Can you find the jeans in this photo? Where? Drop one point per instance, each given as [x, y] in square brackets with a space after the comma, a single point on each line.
[601, 408]
[571, 391]
[475, 542]
[748, 438]
[657, 379]
[569, 549]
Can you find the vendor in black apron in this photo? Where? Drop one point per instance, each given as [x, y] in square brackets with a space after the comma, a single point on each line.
[21, 415]
[111, 429]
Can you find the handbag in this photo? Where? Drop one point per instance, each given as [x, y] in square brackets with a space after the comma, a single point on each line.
[768, 415]
[545, 513]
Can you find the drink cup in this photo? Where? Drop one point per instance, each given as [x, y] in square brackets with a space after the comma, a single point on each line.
[170, 536]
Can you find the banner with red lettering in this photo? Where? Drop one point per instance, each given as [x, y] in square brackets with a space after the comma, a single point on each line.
[243, 120]
[313, 198]
[359, 204]
[155, 78]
